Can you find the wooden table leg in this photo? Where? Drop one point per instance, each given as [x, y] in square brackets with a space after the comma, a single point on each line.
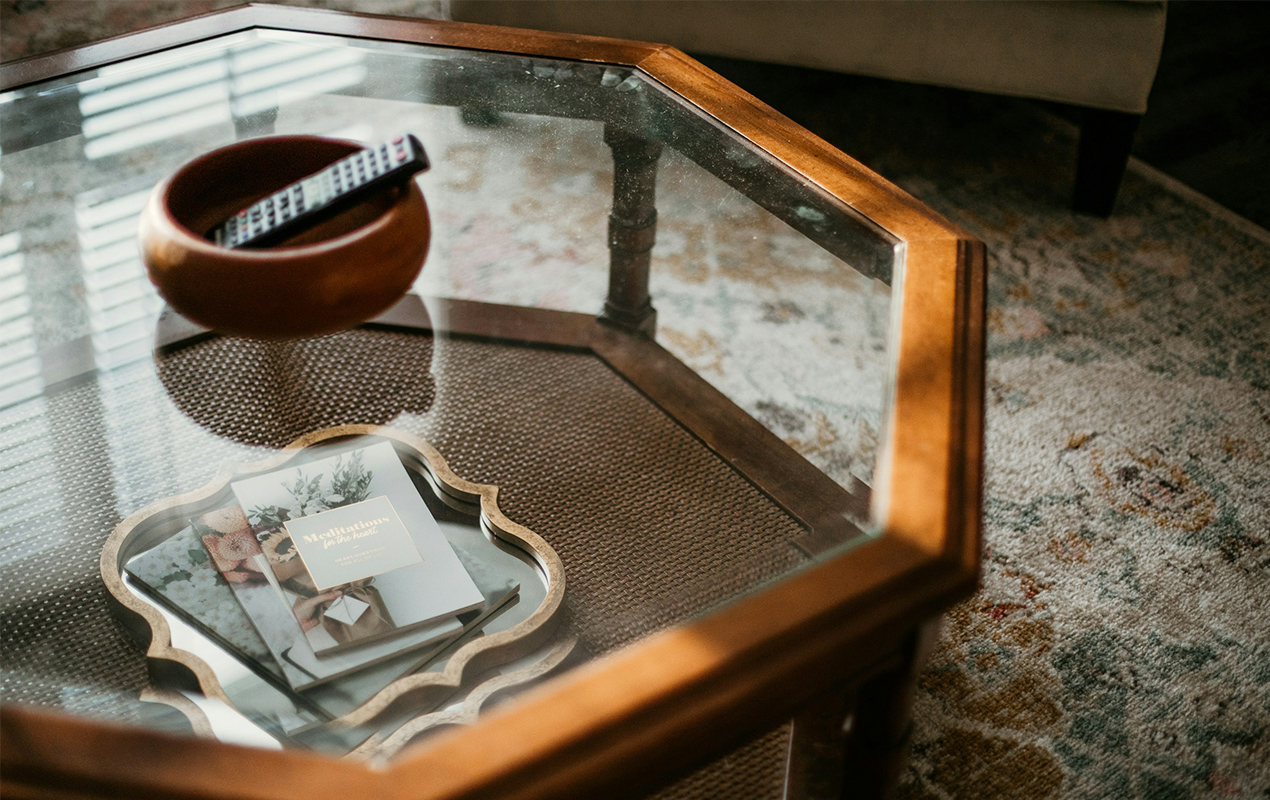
[632, 230]
[817, 741]
[853, 743]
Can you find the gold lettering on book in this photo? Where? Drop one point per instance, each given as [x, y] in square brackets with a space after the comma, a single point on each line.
[346, 533]
[352, 542]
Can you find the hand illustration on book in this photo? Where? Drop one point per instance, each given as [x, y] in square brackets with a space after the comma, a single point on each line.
[359, 612]
[349, 484]
[308, 612]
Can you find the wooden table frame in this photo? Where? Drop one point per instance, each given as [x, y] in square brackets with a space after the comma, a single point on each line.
[691, 693]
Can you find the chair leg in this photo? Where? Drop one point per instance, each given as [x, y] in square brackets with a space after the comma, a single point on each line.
[1106, 138]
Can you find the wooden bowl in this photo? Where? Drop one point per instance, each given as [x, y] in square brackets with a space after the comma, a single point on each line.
[329, 278]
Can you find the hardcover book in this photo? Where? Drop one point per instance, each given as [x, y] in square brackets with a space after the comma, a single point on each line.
[351, 548]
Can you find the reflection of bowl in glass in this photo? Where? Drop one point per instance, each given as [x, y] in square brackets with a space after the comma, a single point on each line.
[331, 277]
[269, 392]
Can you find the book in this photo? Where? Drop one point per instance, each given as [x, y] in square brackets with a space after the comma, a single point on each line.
[497, 590]
[236, 553]
[179, 573]
[350, 547]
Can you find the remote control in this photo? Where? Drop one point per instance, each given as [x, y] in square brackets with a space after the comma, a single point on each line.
[310, 200]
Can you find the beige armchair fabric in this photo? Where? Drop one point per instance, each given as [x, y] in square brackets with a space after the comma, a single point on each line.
[1096, 53]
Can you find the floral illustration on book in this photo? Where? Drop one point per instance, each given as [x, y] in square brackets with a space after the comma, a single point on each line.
[232, 545]
[185, 572]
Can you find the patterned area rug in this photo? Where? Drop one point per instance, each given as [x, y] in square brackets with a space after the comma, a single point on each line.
[1120, 643]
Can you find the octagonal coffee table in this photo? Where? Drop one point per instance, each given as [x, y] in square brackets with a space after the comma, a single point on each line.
[712, 390]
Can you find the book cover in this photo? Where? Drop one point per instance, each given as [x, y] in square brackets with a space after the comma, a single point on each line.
[180, 573]
[354, 550]
[237, 554]
[497, 590]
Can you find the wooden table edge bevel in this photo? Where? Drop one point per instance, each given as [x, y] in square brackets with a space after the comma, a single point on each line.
[641, 695]
[890, 208]
[930, 481]
[42, 751]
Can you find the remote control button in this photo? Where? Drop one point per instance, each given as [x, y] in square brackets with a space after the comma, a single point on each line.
[398, 157]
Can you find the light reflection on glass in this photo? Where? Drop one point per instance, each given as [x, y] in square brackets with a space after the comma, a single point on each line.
[298, 90]
[358, 133]
[19, 360]
[160, 63]
[25, 448]
[95, 99]
[248, 80]
[122, 304]
[133, 115]
[122, 111]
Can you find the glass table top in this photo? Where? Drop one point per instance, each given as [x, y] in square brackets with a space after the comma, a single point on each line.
[772, 292]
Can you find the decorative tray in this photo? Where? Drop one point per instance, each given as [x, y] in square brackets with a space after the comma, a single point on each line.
[207, 661]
